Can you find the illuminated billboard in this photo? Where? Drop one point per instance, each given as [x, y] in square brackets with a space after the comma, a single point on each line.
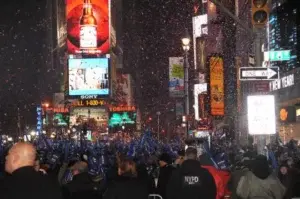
[176, 77]
[118, 120]
[88, 77]
[61, 119]
[261, 115]
[216, 73]
[95, 118]
[87, 26]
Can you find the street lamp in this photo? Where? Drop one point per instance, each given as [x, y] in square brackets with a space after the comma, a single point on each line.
[186, 47]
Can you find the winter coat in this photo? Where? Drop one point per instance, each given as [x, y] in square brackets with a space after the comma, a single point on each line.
[28, 183]
[218, 181]
[126, 187]
[163, 179]
[82, 186]
[251, 186]
[191, 181]
[234, 181]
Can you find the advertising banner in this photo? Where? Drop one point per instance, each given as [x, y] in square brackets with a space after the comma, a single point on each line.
[57, 119]
[123, 92]
[179, 109]
[89, 77]
[96, 118]
[61, 22]
[198, 100]
[176, 77]
[261, 115]
[216, 68]
[39, 118]
[87, 26]
[125, 119]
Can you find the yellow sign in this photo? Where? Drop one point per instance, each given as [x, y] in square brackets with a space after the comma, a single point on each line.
[216, 68]
[92, 102]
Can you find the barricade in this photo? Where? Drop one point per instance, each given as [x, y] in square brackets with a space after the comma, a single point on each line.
[154, 196]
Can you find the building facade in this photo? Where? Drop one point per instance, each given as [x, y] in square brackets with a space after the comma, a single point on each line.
[284, 34]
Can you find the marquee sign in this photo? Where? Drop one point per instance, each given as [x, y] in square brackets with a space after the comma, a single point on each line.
[122, 108]
[91, 102]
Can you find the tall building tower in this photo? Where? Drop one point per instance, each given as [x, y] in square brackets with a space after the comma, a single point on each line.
[284, 32]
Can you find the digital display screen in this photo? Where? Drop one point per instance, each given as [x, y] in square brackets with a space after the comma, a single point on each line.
[88, 77]
[119, 119]
[95, 118]
[61, 119]
[88, 26]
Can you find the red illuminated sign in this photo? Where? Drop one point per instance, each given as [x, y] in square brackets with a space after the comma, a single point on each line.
[122, 108]
[87, 26]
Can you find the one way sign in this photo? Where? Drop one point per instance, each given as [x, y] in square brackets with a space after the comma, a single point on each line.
[259, 73]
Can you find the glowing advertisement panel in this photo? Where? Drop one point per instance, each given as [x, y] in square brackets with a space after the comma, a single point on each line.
[119, 119]
[176, 77]
[88, 77]
[261, 115]
[61, 119]
[87, 26]
[95, 118]
[216, 84]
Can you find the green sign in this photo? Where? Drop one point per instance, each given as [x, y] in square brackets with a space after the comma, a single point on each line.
[281, 55]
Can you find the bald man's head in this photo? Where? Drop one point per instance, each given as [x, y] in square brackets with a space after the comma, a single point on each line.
[20, 155]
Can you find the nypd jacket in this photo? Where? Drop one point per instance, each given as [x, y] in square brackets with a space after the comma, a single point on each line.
[192, 182]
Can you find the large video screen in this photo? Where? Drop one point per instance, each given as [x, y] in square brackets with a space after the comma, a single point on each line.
[95, 118]
[119, 119]
[61, 119]
[89, 77]
[87, 26]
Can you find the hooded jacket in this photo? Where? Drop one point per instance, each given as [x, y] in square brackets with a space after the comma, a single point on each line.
[259, 183]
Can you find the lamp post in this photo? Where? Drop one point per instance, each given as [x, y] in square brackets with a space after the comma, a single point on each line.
[158, 129]
[186, 47]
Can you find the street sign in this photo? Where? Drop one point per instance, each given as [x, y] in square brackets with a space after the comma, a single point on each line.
[259, 73]
[280, 55]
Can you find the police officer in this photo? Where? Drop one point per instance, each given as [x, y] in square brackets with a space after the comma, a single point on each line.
[190, 180]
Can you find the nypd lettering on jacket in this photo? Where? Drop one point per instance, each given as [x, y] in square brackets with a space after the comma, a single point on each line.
[191, 181]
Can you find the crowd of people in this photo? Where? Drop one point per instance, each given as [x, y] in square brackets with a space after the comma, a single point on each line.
[191, 173]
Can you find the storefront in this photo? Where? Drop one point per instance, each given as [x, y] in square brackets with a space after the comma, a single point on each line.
[287, 93]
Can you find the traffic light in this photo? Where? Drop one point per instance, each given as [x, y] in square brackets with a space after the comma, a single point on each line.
[260, 13]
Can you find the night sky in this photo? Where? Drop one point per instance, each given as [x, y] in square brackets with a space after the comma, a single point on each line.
[160, 25]
[23, 43]
[25, 71]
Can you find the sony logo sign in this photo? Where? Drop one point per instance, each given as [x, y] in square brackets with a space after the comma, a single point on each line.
[284, 82]
[88, 96]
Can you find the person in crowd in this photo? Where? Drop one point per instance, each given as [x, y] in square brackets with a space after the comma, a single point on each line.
[191, 180]
[127, 185]
[144, 177]
[38, 168]
[208, 164]
[241, 169]
[82, 186]
[24, 181]
[284, 174]
[165, 172]
[293, 190]
[180, 158]
[260, 182]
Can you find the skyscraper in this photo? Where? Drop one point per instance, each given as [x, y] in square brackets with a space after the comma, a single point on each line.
[284, 32]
